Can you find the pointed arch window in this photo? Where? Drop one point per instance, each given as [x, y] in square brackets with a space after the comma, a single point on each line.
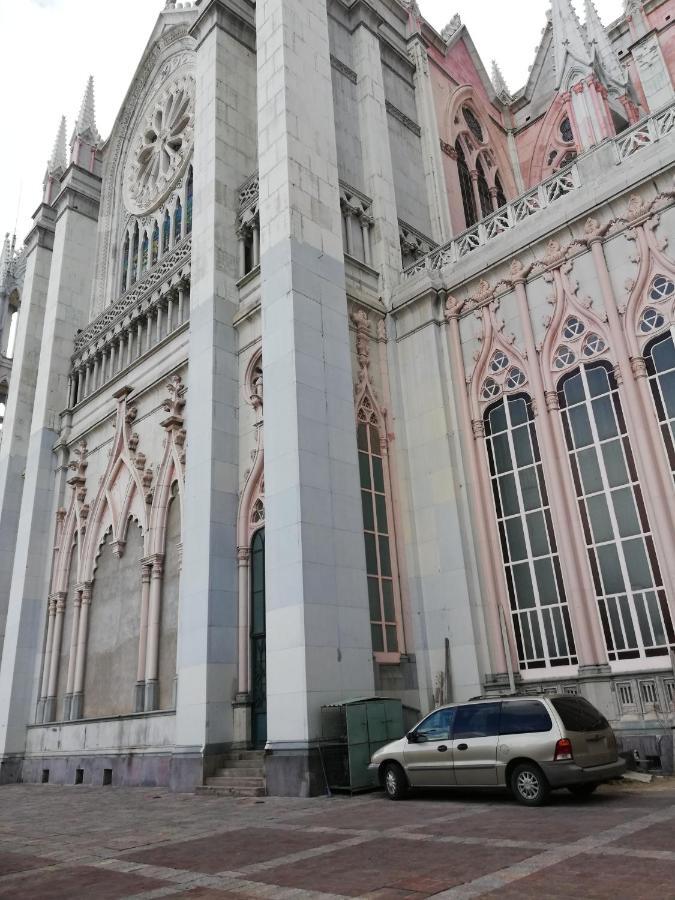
[473, 124]
[134, 256]
[177, 222]
[539, 610]
[501, 196]
[629, 590]
[660, 360]
[154, 252]
[466, 187]
[189, 190]
[166, 232]
[566, 132]
[145, 248]
[384, 627]
[483, 189]
[125, 263]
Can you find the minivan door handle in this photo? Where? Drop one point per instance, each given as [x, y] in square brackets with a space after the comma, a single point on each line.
[442, 748]
[462, 746]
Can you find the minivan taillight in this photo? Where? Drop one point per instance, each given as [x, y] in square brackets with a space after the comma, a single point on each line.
[563, 749]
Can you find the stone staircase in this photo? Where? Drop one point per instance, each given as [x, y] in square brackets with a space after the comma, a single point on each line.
[242, 774]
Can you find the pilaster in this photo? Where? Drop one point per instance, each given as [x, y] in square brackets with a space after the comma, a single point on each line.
[66, 310]
[318, 630]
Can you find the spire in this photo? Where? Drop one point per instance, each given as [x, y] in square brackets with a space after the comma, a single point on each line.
[500, 86]
[601, 45]
[568, 38]
[85, 126]
[58, 160]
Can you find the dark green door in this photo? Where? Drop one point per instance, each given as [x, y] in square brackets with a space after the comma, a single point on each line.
[258, 659]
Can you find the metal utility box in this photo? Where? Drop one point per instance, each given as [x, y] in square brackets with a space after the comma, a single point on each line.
[352, 731]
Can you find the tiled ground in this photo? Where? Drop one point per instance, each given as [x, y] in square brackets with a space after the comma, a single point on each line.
[65, 842]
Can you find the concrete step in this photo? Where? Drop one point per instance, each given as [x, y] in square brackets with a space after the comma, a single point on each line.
[230, 780]
[241, 755]
[209, 790]
[244, 771]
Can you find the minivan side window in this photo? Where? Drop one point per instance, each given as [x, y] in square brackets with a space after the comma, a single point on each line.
[577, 714]
[524, 717]
[476, 720]
[436, 727]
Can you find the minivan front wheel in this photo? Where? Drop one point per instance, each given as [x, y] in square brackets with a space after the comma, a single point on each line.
[529, 785]
[395, 783]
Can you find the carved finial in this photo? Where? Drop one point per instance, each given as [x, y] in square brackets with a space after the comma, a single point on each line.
[499, 84]
[637, 208]
[58, 161]
[175, 403]
[451, 28]
[453, 307]
[85, 126]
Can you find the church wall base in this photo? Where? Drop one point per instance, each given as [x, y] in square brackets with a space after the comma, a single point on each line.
[295, 773]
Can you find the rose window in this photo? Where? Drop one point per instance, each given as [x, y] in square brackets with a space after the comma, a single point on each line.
[651, 320]
[490, 389]
[661, 288]
[161, 147]
[563, 358]
[593, 344]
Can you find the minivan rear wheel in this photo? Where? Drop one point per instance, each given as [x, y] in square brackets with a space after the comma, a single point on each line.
[582, 790]
[395, 783]
[529, 785]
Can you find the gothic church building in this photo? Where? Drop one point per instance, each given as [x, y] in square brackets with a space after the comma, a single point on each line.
[339, 370]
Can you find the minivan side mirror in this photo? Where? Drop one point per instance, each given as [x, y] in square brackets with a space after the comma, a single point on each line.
[412, 737]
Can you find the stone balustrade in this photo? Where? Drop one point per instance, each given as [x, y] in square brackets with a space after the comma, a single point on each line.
[144, 316]
[646, 132]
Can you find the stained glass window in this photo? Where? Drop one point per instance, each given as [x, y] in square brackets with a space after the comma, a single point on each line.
[188, 203]
[466, 188]
[626, 574]
[539, 611]
[155, 244]
[474, 125]
[376, 530]
[177, 222]
[660, 359]
[134, 256]
[125, 263]
[144, 252]
[166, 232]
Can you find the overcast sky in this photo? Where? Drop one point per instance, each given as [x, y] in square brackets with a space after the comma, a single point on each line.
[50, 47]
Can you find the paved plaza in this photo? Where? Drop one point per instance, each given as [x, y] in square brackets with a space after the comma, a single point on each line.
[112, 842]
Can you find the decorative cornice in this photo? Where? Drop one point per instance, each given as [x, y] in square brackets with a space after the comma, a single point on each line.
[408, 123]
[343, 68]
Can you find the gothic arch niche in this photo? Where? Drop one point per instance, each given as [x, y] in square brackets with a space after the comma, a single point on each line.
[62, 711]
[169, 611]
[114, 628]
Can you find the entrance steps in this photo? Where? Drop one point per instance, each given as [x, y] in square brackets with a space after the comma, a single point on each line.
[241, 774]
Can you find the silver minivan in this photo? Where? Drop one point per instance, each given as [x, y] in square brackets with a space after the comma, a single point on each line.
[531, 745]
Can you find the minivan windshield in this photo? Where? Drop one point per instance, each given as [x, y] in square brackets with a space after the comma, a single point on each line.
[577, 714]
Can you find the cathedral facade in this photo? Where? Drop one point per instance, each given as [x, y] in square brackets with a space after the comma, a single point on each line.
[339, 370]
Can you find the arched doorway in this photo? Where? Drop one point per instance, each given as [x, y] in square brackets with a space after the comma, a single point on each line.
[258, 642]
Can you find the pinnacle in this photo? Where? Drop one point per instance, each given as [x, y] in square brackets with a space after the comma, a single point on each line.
[498, 82]
[58, 158]
[597, 35]
[85, 126]
[568, 37]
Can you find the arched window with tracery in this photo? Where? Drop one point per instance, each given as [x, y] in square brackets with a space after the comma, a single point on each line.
[154, 252]
[166, 232]
[177, 222]
[125, 263]
[466, 187]
[626, 574]
[660, 360]
[378, 535]
[134, 256]
[189, 190]
[539, 610]
[145, 247]
[501, 196]
[483, 189]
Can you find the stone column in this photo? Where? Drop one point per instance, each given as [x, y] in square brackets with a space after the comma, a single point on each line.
[318, 625]
[225, 156]
[50, 705]
[44, 690]
[153, 623]
[72, 654]
[139, 688]
[77, 700]
[66, 310]
[16, 427]
[242, 705]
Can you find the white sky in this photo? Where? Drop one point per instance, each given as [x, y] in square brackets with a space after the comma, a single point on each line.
[50, 47]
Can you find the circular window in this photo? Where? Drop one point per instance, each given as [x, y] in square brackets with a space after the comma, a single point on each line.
[593, 344]
[499, 362]
[563, 357]
[474, 125]
[160, 147]
[515, 379]
[651, 320]
[661, 288]
[490, 389]
[573, 328]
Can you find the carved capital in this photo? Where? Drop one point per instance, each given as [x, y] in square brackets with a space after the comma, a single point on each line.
[638, 367]
[87, 591]
[243, 555]
[552, 401]
[618, 374]
[478, 428]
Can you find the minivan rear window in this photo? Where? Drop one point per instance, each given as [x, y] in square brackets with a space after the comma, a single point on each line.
[577, 714]
[524, 717]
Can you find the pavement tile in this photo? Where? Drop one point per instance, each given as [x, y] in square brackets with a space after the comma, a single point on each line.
[595, 878]
[424, 868]
[231, 850]
[77, 881]
[657, 837]
[11, 862]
